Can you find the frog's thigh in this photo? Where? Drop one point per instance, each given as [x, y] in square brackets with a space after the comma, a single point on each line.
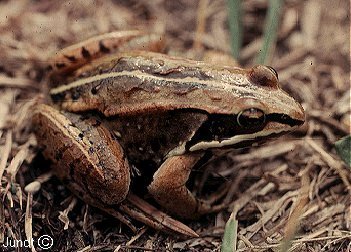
[84, 155]
[169, 189]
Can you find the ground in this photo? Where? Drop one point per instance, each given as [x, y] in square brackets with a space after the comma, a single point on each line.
[294, 189]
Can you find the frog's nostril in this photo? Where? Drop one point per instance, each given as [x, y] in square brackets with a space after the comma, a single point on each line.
[298, 114]
[301, 114]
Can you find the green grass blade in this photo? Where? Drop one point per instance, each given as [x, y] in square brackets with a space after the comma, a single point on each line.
[343, 149]
[270, 32]
[230, 235]
[235, 26]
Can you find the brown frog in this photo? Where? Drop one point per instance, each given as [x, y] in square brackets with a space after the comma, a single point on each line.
[154, 113]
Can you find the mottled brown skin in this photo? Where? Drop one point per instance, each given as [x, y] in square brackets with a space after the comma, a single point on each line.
[64, 136]
[219, 95]
[169, 189]
[75, 56]
[158, 114]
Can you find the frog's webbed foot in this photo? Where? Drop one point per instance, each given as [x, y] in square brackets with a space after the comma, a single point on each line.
[169, 188]
[137, 209]
[142, 211]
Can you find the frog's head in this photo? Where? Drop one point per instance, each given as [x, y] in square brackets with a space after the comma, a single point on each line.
[262, 110]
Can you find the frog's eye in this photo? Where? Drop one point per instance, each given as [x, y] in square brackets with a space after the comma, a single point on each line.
[252, 117]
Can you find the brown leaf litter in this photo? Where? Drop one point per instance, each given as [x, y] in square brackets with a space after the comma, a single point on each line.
[291, 193]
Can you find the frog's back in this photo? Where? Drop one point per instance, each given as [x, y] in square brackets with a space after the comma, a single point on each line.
[139, 82]
[143, 81]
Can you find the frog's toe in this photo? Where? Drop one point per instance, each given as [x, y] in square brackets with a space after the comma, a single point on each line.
[142, 211]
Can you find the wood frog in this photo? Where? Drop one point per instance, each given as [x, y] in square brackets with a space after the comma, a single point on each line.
[116, 110]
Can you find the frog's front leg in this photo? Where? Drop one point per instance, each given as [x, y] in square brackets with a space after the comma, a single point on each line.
[84, 155]
[169, 187]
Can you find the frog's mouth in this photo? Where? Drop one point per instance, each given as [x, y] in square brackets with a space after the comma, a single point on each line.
[224, 132]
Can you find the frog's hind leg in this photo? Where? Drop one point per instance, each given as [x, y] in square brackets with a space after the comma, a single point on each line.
[92, 165]
[84, 154]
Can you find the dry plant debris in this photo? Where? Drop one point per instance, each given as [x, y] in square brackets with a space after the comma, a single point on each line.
[294, 192]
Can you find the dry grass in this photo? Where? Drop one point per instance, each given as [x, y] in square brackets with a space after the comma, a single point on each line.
[294, 192]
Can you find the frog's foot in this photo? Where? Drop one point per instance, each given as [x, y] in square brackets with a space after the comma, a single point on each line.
[169, 189]
[137, 209]
[142, 211]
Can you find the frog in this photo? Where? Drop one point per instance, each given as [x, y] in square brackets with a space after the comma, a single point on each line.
[120, 107]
